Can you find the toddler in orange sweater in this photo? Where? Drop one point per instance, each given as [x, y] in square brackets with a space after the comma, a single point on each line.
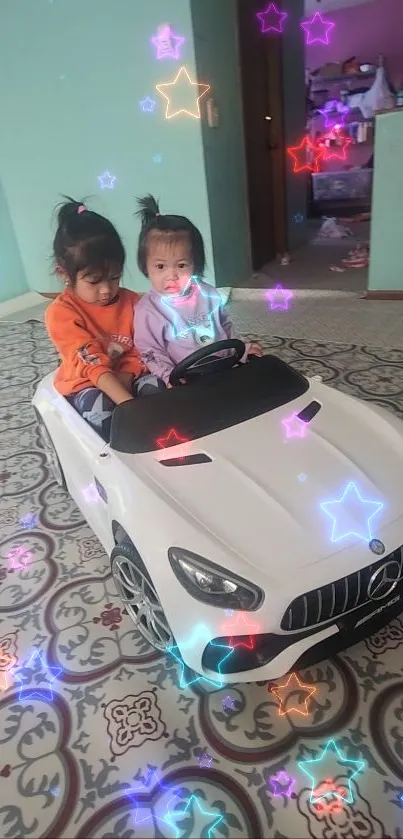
[91, 322]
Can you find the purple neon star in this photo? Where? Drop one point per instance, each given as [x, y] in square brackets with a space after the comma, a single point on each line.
[205, 761]
[279, 298]
[317, 29]
[282, 784]
[167, 44]
[334, 107]
[272, 20]
[228, 703]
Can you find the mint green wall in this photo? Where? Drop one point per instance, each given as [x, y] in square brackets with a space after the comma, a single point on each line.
[72, 73]
[216, 47]
[12, 277]
[386, 265]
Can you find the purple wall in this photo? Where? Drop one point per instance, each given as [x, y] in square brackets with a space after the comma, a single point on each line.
[364, 31]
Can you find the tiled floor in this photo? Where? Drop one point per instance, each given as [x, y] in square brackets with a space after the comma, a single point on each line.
[100, 737]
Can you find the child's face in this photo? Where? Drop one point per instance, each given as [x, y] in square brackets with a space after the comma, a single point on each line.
[95, 290]
[169, 264]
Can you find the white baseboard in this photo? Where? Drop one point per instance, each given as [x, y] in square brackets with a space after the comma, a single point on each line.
[23, 301]
[243, 294]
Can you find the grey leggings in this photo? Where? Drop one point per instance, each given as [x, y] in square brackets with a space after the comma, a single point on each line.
[97, 408]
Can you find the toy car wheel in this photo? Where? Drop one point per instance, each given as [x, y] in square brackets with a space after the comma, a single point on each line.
[51, 456]
[137, 592]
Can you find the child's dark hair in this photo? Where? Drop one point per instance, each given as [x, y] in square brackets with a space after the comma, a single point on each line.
[169, 226]
[86, 241]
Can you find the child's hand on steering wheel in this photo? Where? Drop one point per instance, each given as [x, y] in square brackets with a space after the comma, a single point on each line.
[255, 349]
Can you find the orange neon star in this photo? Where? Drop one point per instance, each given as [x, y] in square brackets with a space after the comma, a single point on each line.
[195, 113]
[240, 626]
[4, 680]
[308, 689]
[300, 162]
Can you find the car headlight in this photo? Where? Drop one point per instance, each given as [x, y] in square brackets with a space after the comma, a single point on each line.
[212, 584]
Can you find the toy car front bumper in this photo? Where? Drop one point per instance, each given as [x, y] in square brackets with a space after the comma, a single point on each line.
[270, 655]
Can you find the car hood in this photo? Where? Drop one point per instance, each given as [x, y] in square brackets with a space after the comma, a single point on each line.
[262, 492]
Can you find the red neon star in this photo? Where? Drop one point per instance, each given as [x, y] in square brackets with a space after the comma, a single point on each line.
[237, 627]
[172, 439]
[336, 152]
[327, 790]
[287, 691]
[300, 162]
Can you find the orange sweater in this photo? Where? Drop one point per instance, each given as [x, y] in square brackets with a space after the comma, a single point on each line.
[92, 340]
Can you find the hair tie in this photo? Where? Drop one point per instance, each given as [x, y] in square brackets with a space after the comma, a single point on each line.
[82, 208]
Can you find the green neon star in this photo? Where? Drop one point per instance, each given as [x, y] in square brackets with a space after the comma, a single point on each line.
[331, 746]
[175, 653]
[178, 813]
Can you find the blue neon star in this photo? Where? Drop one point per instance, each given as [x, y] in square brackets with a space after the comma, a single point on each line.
[147, 105]
[331, 746]
[179, 813]
[52, 673]
[298, 218]
[107, 180]
[356, 523]
[29, 522]
[133, 792]
[174, 651]
[175, 301]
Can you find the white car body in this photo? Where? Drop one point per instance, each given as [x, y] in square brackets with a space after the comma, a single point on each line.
[254, 510]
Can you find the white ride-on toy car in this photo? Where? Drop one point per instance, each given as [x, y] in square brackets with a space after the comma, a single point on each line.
[252, 509]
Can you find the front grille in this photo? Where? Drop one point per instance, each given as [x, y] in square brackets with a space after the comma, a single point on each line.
[335, 599]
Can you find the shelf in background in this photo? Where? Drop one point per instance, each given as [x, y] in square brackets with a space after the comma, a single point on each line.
[346, 78]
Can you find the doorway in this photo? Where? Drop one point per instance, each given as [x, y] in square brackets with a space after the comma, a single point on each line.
[262, 93]
[286, 85]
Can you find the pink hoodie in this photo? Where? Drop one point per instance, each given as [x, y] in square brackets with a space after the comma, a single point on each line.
[168, 328]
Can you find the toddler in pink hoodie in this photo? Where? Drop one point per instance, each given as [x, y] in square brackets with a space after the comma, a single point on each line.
[181, 312]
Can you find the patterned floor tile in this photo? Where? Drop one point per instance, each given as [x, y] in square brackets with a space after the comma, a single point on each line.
[97, 737]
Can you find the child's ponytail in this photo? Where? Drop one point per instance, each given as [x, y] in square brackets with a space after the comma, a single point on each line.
[148, 210]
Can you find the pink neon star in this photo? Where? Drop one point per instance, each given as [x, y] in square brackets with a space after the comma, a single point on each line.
[167, 44]
[317, 29]
[279, 297]
[272, 20]
[294, 426]
[19, 557]
[91, 494]
[336, 152]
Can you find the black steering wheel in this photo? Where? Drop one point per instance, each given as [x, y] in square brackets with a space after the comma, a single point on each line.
[196, 364]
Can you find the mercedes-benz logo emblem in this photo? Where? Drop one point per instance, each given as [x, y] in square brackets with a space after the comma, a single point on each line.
[384, 580]
[377, 547]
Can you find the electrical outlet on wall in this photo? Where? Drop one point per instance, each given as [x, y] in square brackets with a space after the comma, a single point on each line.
[213, 115]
